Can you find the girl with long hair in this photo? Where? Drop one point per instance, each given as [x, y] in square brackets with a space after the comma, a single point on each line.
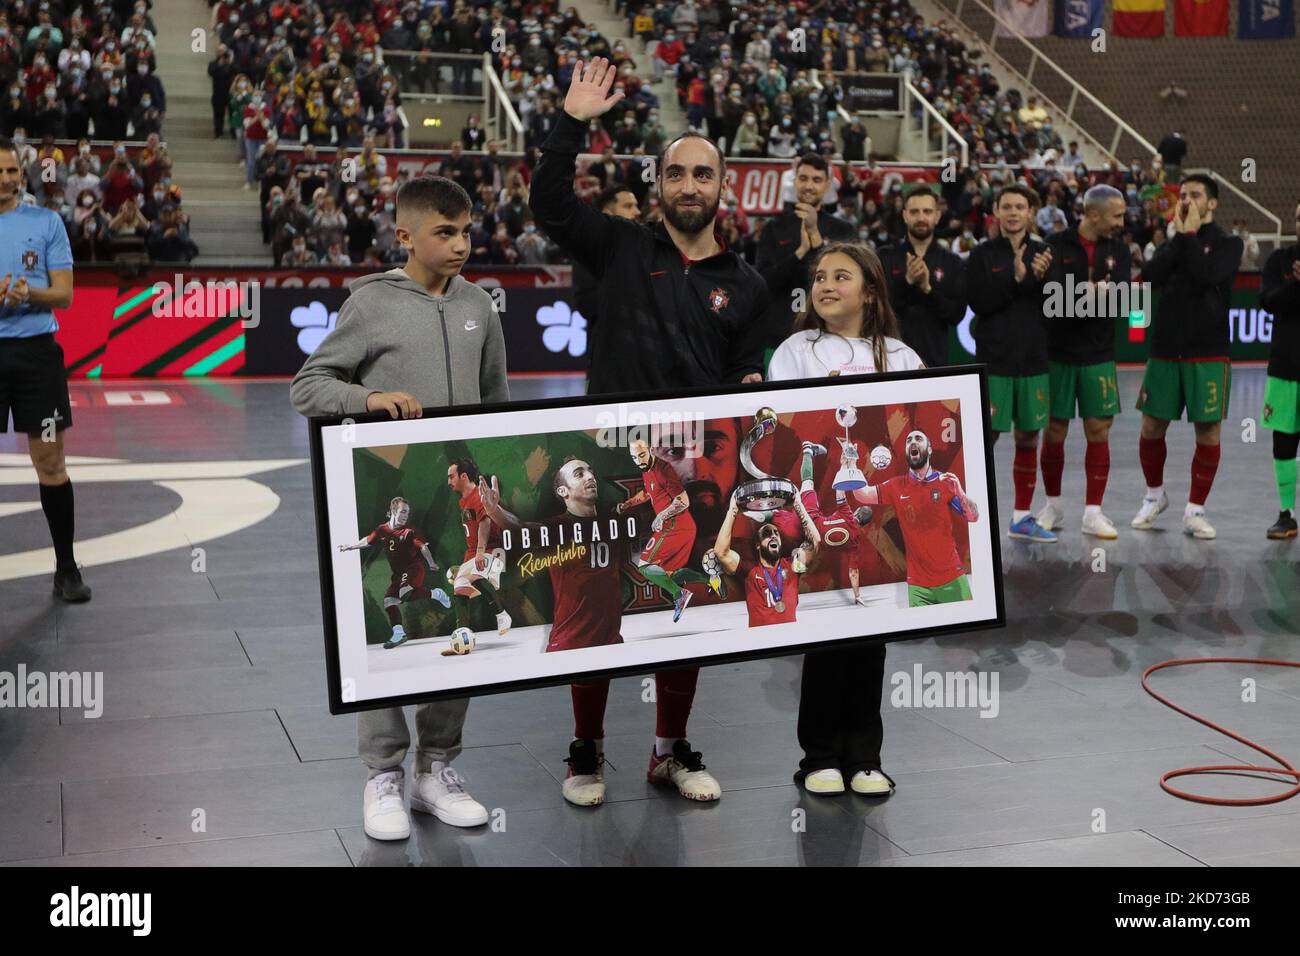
[848, 328]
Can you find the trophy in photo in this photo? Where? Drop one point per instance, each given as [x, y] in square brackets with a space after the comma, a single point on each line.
[764, 492]
[849, 477]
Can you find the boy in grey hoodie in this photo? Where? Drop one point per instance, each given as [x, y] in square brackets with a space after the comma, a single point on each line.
[420, 336]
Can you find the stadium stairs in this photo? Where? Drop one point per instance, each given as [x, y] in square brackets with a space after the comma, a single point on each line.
[224, 219]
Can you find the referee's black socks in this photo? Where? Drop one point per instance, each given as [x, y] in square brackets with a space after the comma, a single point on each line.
[56, 502]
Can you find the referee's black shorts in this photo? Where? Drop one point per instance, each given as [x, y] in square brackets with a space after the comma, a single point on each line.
[33, 384]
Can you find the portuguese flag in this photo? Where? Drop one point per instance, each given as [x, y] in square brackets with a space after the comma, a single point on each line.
[1139, 18]
[1201, 18]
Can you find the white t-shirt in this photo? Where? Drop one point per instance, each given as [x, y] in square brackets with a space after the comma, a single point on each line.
[813, 354]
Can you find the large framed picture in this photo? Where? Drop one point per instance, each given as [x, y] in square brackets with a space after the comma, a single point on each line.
[490, 548]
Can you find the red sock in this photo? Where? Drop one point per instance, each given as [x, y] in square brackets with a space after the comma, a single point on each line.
[674, 694]
[1205, 462]
[1052, 460]
[394, 614]
[1096, 466]
[1024, 475]
[589, 699]
[1152, 452]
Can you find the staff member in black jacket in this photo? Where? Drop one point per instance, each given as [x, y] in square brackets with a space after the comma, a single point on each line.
[781, 240]
[927, 283]
[1081, 351]
[1280, 295]
[677, 308]
[688, 309]
[614, 201]
[1188, 365]
[1004, 279]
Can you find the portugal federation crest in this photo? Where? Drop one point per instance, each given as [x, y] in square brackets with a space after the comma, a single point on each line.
[30, 259]
[938, 274]
[718, 300]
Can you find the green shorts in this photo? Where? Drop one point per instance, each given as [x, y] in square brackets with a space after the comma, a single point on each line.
[958, 589]
[1201, 387]
[1018, 398]
[1281, 405]
[1093, 389]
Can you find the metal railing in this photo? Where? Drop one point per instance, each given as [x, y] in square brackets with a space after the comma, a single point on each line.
[948, 133]
[498, 112]
[1077, 92]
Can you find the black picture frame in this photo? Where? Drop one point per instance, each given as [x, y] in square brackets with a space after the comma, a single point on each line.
[338, 705]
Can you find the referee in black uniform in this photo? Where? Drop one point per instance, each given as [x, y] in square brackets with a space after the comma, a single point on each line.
[36, 279]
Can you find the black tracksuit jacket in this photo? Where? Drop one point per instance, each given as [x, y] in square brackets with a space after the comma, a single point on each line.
[664, 322]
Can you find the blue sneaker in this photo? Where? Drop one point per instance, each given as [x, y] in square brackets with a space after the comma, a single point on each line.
[397, 640]
[440, 596]
[679, 605]
[1028, 529]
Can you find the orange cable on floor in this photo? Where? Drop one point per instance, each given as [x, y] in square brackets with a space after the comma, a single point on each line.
[1286, 769]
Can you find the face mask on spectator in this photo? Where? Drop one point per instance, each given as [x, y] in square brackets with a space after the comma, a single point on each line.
[359, 210]
[88, 201]
[277, 200]
[115, 88]
[158, 195]
[389, 206]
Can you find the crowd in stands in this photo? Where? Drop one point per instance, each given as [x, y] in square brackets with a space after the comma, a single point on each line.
[123, 208]
[83, 71]
[762, 80]
[76, 70]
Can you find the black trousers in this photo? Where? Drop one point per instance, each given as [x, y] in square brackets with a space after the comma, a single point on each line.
[839, 709]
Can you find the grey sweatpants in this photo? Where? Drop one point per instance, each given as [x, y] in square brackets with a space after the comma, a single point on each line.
[383, 736]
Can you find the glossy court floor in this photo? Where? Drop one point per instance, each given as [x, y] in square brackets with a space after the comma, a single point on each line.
[215, 698]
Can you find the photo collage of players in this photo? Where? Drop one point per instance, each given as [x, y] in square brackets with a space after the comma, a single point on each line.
[558, 541]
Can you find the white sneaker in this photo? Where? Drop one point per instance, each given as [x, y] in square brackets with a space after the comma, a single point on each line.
[585, 784]
[1050, 518]
[824, 782]
[1194, 524]
[684, 770]
[1145, 519]
[503, 623]
[1099, 526]
[873, 784]
[382, 809]
[441, 792]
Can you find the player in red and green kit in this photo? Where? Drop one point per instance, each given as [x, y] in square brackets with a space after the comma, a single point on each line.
[480, 571]
[588, 612]
[924, 501]
[665, 556]
[771, 581]
[409, 559]
[1280, 294]
[1188, 367]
